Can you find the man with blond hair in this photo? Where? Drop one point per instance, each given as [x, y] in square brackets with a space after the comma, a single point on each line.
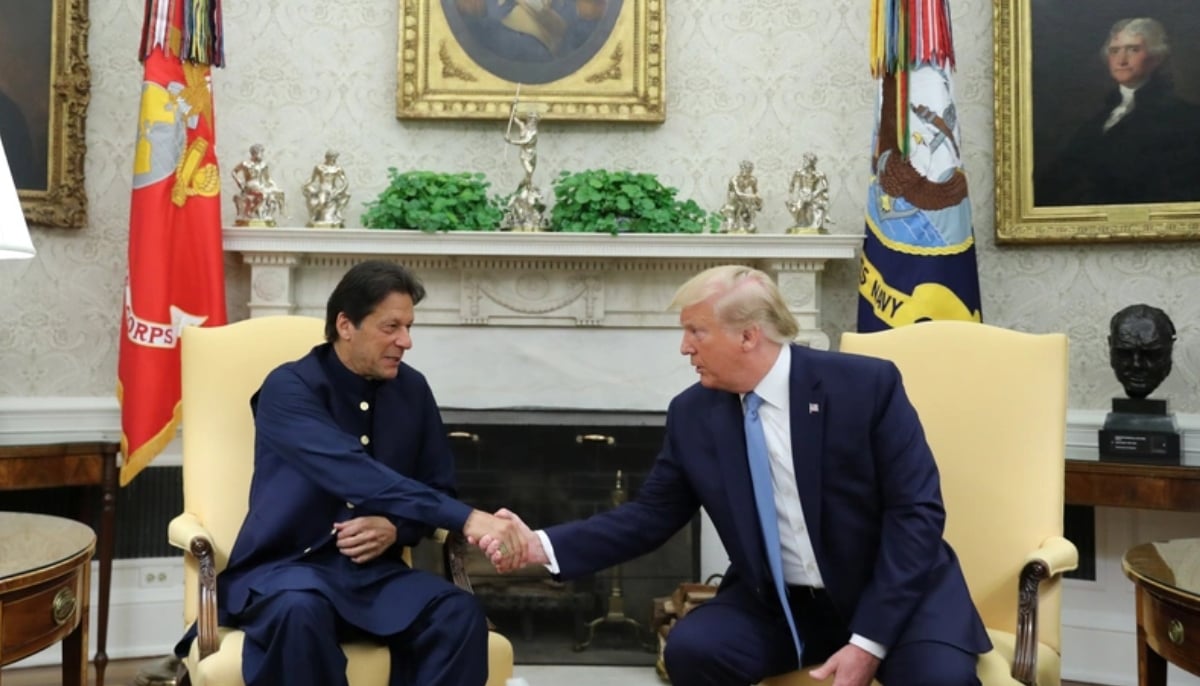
[816, 474]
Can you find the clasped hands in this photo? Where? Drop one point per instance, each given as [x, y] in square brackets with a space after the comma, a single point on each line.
[506, 540]
[363, 539]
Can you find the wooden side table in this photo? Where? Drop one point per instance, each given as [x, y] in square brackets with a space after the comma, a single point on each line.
[27, 467]
[1166, 575]
[1129, 484]
[45, 584]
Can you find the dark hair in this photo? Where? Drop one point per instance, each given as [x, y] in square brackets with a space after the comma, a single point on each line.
[365, 286]
[1160, 319]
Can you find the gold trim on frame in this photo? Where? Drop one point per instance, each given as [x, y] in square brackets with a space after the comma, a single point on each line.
[1018, 219]
[64, 201]
[622, 81]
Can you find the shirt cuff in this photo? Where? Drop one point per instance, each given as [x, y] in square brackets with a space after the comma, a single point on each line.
[552, 565]
[876, 649]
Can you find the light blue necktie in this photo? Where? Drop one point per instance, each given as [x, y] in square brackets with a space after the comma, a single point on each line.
[764, 502]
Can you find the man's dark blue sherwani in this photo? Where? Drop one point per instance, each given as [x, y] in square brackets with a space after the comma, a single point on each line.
[868, 487]
[331, 446]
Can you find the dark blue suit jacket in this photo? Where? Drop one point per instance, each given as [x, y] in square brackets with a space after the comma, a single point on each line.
[868, 486]
[312, 468]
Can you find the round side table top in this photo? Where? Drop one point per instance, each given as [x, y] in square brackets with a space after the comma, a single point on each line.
[29, 542]
[1173, 565]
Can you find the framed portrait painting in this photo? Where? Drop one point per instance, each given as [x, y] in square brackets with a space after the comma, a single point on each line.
[579, 59]
[44, 86]
[1097, 117]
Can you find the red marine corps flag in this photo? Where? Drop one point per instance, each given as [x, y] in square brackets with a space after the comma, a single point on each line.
[176, 273]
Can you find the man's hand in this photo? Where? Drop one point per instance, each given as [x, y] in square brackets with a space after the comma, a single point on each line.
[534, 554]
[363, 539]
[502, 536]
[850, 666]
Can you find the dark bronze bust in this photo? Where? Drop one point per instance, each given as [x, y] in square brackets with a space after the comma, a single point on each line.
[1140, 342]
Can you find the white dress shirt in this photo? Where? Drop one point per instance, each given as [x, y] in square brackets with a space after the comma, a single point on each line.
[799, 560]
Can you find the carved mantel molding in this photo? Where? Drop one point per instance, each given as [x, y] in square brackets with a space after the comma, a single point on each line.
[533, 279]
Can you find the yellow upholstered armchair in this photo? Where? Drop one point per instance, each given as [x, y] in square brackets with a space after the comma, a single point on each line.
[993, 403]
[222, 368]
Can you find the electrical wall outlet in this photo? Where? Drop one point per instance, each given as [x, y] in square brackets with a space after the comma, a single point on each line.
[158, 576]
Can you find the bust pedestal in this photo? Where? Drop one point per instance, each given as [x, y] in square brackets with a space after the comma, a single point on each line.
[1140, 430]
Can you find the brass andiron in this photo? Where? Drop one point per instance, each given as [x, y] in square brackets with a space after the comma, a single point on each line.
[616, 603]
[164, 672]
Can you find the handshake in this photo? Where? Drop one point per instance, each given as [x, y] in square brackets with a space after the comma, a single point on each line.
[506, 540]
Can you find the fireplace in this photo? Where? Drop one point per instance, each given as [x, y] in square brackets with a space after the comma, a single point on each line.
[550, 467]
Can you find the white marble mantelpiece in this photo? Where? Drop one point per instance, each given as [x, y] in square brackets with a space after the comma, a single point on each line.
[565, 320]
[538, 279]
[505, 244]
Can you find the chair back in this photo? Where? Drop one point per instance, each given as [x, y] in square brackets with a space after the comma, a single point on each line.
[993, 403]
[222, 367]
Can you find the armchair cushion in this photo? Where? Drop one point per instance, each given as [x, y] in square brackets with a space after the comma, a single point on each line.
[995, 668]
[366, 664]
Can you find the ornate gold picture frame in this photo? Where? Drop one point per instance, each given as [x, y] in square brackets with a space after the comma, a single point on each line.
[583, 59]
[44, 91]
[1068, 169]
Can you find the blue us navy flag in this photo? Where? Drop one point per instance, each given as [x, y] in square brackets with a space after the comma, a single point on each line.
[918, 260]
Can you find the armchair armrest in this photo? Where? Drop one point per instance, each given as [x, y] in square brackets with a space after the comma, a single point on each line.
[1055, 556]
[454, 560]
[187, 532]
[454, 557]
[185, 527]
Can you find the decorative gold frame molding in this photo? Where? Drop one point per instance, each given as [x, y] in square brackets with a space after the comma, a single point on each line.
[623, 81]
[64, 201]
[1018, 220]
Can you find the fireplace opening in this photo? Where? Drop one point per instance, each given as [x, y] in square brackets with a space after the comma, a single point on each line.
[555, 466]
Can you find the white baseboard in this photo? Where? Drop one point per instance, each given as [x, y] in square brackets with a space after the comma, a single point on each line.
[1109, 657]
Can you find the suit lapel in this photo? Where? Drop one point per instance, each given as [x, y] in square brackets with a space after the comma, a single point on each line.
[725, 423]
[808, 439]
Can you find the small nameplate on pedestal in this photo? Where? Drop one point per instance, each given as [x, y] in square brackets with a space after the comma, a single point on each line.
[1150, 447]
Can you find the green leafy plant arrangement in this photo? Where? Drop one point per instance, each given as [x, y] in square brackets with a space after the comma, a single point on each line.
[600, 200]
[434, 201]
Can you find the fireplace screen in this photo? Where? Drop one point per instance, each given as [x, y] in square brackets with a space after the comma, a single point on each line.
[553, 467]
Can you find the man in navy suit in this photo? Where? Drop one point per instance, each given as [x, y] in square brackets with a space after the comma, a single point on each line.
[873, 588]
[351, 465]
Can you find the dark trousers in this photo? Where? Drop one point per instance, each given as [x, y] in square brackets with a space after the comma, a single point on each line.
[733, 640]
[293, 637]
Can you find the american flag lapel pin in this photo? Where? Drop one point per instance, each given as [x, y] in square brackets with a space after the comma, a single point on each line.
[813, 408]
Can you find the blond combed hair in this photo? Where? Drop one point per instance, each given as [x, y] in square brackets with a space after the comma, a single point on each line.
[743, 296]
